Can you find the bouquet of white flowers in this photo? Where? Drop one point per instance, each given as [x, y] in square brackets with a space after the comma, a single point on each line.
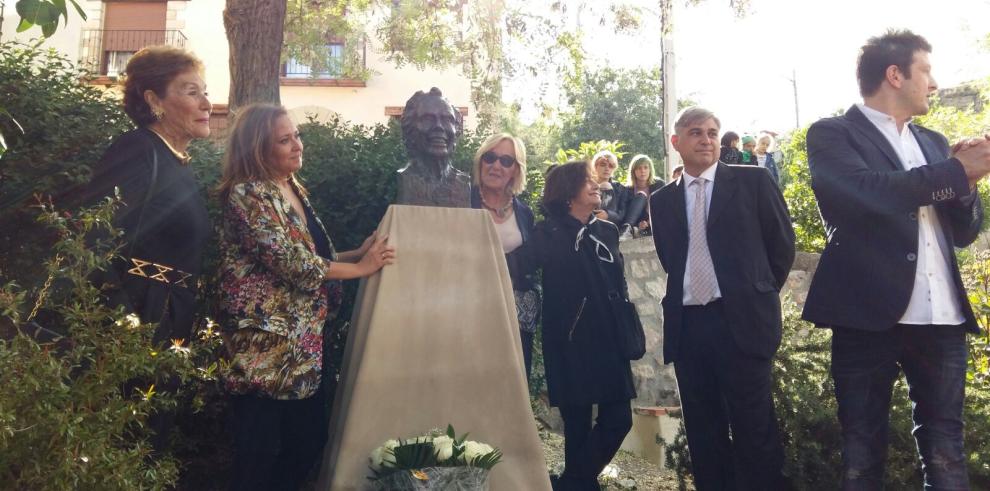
[436, 461]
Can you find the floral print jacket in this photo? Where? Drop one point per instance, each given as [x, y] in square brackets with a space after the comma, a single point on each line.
[274, 300]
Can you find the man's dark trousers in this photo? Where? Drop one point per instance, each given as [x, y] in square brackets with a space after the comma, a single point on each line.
[865, 365]
[720, 385]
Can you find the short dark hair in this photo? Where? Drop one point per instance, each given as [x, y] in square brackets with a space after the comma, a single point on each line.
[564, 182]
[153, 68]
[729, 137]
[894, 47]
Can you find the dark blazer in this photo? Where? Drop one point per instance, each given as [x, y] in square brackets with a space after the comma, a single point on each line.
[525, 221]
[171, 228]
[616, 207]
[752, 247]
[580, 352]
[869, 205]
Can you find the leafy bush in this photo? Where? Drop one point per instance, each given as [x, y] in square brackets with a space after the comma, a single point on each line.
[808, 228]
[621, 105]
[74, 408]
[65, 127]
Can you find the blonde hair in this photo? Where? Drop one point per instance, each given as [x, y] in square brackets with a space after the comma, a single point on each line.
[518, 183]
[769, 138]
[249, 147]
[640, 160]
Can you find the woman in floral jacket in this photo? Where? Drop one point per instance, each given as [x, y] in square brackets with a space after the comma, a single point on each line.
[279, 286]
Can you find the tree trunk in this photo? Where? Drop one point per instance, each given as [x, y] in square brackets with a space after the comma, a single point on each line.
[254, 33]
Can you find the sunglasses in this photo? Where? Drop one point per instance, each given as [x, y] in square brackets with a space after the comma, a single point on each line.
[506, 160]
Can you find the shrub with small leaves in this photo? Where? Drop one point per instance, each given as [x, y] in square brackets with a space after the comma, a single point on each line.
[75, 404]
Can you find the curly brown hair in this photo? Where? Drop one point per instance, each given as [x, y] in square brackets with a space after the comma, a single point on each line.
[153, 68]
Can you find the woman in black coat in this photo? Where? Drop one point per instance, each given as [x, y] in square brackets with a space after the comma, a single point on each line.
[163, 215]
[582, 267]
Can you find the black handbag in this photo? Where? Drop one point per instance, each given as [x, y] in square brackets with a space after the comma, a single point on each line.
[629, 329]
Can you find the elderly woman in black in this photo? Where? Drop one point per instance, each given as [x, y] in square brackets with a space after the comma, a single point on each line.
[581, 263]
[163, 216]
[499, 176]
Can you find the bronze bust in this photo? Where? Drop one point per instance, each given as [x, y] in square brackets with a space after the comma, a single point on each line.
[430, 130]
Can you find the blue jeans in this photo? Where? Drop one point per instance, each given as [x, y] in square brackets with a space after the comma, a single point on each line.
[865, 365]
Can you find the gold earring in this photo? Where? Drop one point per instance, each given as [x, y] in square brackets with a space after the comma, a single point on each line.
[159, 114]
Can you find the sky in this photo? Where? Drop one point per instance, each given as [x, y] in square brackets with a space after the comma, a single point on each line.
[740, 68]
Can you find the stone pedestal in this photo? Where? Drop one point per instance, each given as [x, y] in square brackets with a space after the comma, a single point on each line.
[434, 341]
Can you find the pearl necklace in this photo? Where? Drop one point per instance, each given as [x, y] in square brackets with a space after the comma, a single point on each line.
[500, 212]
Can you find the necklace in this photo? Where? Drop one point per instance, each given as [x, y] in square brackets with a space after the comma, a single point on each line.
[500, 212]
[183, 157]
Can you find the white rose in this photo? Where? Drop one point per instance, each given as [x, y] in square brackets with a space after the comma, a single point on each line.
[444, 447]
[473, 450]
[391, 444]
[377, 458]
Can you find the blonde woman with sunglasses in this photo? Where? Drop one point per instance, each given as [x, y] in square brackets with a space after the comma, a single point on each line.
[499, 175]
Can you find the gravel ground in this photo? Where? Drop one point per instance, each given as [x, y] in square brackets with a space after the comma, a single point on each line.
[633, 472]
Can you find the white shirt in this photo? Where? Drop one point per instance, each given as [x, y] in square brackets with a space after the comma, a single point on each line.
[761, 159]
[509, 234]
[709, 175]
[933, 299]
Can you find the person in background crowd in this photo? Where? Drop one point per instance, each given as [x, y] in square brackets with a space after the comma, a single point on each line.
[724, 237]
[896, 201]
[279, 284]
[641, 182]
[730, 148]
[499, 176]
[749, 148]
[614, 195]
[764, 158]
[582, 268]
[163, 217]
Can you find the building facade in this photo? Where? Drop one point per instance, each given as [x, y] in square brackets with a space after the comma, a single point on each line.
[115, 30]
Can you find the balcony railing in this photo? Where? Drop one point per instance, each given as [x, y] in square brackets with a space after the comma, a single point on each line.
[106, 51]
[294, 70]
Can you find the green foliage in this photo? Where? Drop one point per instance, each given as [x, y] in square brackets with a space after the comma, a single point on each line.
[66, 125]
[623, 105]
[587, 150]
[435, 449]
[808, 228]
[957, 124]
[74, 410]
[44, 14]
[62, 128]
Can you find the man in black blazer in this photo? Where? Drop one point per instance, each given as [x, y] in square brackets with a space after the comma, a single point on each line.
[895, 200]
[725, 239]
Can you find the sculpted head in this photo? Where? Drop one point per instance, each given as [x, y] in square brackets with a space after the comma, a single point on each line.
[430, 126]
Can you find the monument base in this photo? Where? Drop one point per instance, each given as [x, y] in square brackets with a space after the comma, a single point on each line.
[434, 341]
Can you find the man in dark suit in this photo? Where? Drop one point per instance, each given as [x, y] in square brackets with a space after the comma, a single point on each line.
[725, 240]
[895, 200]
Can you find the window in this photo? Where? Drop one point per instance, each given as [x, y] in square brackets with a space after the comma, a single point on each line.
[128, 26]
[294, 69]
[117, 61]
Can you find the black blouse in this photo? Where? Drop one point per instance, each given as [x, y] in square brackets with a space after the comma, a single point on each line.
[164, 220]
